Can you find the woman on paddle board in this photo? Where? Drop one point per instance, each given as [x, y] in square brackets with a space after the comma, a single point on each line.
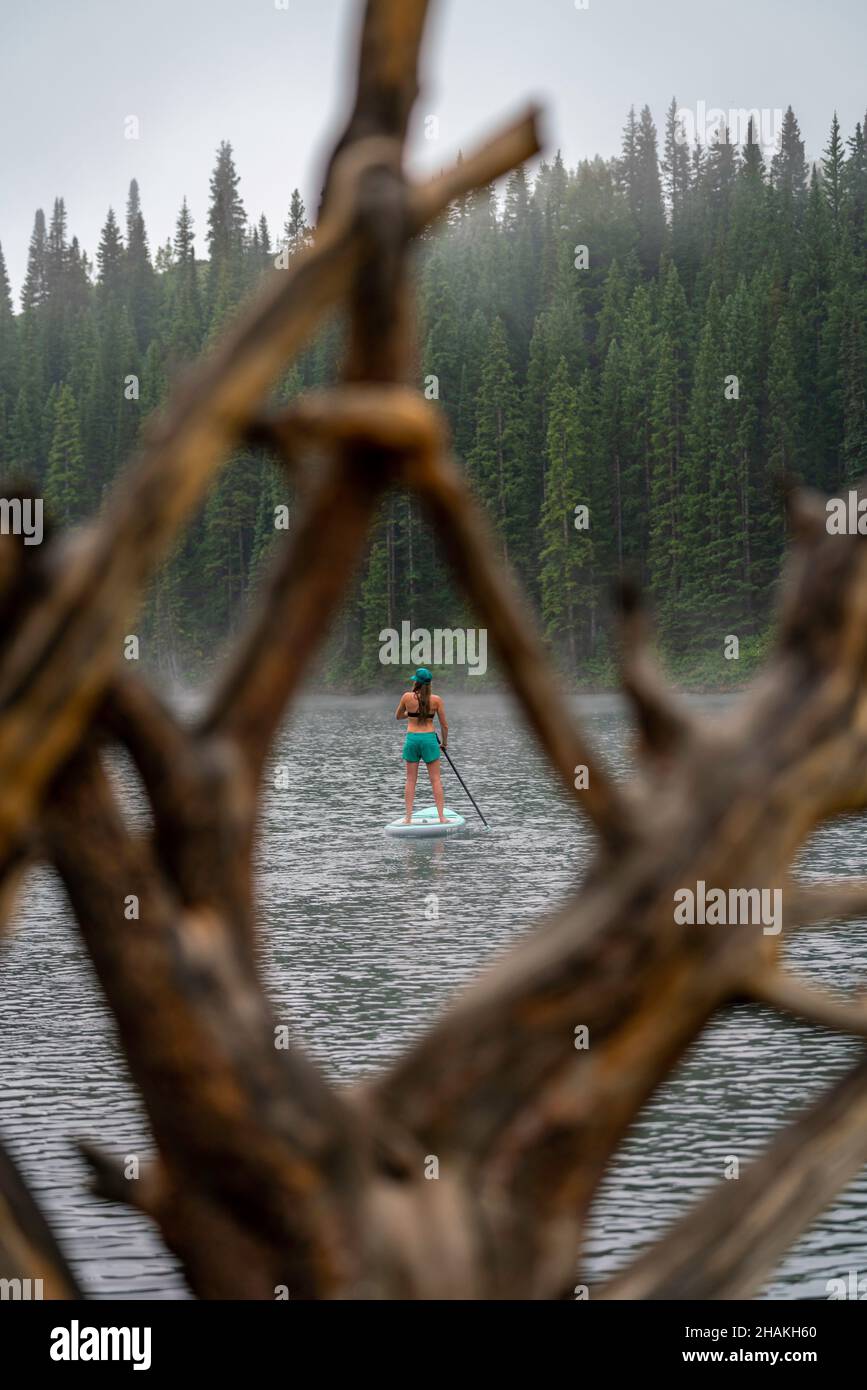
[419, 707]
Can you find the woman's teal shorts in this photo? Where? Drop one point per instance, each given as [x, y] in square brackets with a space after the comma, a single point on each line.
[421, 746]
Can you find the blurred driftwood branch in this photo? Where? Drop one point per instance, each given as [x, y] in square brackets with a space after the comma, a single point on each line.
[266, 1176]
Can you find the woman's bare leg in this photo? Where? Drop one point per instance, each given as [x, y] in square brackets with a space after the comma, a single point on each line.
[436, 782]
[409, 789]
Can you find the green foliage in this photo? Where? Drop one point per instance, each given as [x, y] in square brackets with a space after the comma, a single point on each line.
[566, 550]
[64, 481]
[497, 460]
[710, 343]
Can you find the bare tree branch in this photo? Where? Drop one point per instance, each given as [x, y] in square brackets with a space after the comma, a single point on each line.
[812, 904]
[28, 1250]
[726, 1246]
[663, 723]
[782, 991]
[273, 1149]
[265, 1176]
[469, 543]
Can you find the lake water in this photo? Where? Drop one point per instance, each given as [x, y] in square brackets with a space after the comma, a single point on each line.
[354, 965]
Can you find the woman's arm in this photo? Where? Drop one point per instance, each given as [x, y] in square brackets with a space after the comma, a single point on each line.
[402, 712]
[444, 723]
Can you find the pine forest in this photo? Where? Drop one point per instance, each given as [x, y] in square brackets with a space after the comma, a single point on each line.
[635, 356]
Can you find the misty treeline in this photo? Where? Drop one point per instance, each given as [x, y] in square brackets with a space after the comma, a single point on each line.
[645, 346]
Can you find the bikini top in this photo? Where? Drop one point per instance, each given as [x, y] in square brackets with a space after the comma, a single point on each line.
[410, 714]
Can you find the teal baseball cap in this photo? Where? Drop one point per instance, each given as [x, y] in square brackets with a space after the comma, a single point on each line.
[423, 675]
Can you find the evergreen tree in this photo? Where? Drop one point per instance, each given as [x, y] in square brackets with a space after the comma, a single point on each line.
[749, 230]
[855, 185]
[612, 445]
[647, 202]
[610, 319]
[375, 603]
[675, 163]
[566, 552]
[720, 173]
[183, 327]
[636, 437]
[665, 540]
[441, 320]
[140, 287]
[265, 247]
[34, 291]
[789, 173]
[668, 414]
[833, 160]
[8, 361]
[110, 257]
[227, 222]
[64, 482]
[56, 252]
[809, 290]
[296, 231]
[497, 456]
[521, 239]
[853, 380]
[784, 404]
[559, 333]
[698, 620]
[627, 165]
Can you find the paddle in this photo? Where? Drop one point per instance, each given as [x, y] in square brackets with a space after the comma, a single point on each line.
[462, 782]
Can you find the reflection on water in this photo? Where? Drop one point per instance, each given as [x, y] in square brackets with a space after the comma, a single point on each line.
[358, 969]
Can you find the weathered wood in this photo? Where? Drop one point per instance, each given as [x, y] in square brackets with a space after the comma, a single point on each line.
[29, 1255]
[730, 805]
[302, 593]
[266, 1176]
[468, 540]
[273, 1147]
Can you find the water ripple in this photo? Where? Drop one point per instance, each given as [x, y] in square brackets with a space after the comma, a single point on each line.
[365, 940]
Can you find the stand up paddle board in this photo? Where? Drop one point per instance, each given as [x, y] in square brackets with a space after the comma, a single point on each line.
[427, 822]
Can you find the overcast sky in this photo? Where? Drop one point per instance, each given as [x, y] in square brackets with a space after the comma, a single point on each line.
[274, 80]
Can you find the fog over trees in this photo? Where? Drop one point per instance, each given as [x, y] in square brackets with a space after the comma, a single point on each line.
[632, 356]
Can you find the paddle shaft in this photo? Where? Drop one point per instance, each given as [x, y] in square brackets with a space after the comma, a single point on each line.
[463, 783]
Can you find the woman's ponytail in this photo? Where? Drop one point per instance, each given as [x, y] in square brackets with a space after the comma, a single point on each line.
[422, 691]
